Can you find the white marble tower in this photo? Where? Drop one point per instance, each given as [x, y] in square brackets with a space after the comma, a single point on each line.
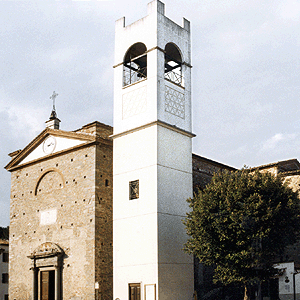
[152, 158]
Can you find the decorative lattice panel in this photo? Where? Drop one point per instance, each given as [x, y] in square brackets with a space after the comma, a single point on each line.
[134, 102]
[174, 102]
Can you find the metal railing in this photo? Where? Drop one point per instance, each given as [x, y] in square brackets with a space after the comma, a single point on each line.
[131, 75]
[174, 77]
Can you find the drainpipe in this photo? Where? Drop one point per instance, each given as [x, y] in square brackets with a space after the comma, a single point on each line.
[294, 286]
[294, 283]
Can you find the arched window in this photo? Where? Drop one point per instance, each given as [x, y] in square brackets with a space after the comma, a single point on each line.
[135, 64]
[173, 64]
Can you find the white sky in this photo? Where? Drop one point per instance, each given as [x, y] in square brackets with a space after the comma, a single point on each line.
[245, 75]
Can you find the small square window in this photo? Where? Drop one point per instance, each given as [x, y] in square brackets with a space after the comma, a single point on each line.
[5, 257]
[133, 189]
[4, 278]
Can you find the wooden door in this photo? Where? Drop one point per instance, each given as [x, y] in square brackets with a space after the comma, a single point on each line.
[47, 285]
[134, 291]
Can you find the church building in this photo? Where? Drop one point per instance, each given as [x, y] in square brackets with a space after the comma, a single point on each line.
[96, 213]
[61, 215]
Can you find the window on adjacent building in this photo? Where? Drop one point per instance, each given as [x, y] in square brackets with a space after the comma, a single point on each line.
[4, 278]
[133, 189]
[134, 291]
[5, 297]
[5, 257]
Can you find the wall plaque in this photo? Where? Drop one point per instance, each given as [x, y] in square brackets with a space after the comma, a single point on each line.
[48, 217]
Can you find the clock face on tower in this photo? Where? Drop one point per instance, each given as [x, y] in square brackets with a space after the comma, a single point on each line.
[49, 145]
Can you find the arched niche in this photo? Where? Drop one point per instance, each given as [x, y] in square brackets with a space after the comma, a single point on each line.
[135, 64]
[173, 64]
[50, 180]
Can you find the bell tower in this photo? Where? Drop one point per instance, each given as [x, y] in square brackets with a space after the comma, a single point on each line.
[152, 161]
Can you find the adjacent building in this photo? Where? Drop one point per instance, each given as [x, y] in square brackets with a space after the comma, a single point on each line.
[288, 283]
[4, 257]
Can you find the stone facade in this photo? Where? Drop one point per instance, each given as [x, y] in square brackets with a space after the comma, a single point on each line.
[64, 198]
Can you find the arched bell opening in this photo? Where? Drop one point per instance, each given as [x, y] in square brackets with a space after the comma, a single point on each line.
[173, 64]
[135, 64]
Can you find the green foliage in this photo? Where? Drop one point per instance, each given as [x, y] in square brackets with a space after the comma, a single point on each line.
[240, 223]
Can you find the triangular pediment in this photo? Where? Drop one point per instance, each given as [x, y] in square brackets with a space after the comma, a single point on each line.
[49, 142]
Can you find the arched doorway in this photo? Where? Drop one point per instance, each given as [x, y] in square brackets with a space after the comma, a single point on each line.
[46, 267]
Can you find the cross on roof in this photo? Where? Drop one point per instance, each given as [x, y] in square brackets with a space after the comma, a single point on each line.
[53, 97]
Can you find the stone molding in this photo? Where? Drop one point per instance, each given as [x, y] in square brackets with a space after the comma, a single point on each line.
[44, 174]
[47, 249]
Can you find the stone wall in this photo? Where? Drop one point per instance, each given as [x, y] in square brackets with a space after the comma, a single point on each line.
[204, 169]
[104, 230]
[96, 128]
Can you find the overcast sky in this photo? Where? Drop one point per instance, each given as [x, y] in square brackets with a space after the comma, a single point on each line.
[245, 76]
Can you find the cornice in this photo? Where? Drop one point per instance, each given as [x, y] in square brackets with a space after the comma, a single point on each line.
[212, 162]
[99, 141]
[158, 123]
[151, 49]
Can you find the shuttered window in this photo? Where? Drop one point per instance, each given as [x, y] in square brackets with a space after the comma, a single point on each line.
[5, 257]
[4, 278]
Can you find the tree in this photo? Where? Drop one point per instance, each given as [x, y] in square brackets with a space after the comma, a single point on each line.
[241, 223]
